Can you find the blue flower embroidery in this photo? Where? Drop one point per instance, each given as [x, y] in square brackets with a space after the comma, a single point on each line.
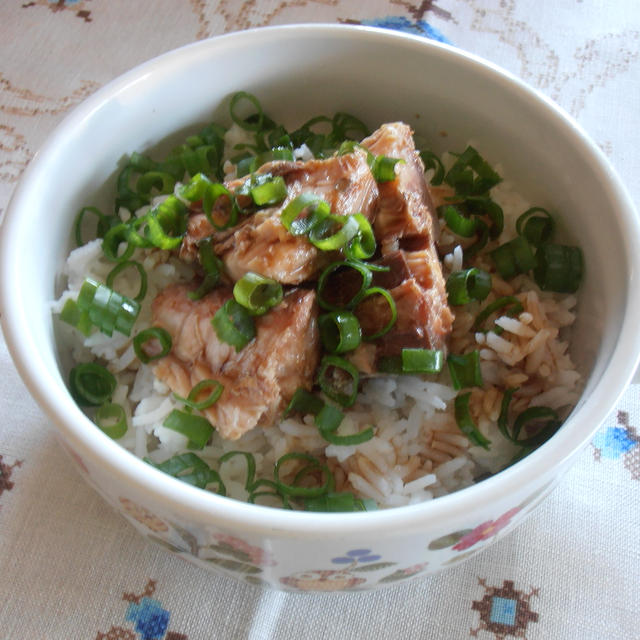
[401, 23]
[613, 442]
[151, 619]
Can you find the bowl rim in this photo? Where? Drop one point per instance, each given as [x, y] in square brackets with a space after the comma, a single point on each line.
[197, 503]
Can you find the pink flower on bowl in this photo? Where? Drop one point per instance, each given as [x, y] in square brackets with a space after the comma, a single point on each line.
[258, 556]
[486, 530]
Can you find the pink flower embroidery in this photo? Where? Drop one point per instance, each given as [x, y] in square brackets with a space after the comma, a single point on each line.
[258, 556]
[485, 530]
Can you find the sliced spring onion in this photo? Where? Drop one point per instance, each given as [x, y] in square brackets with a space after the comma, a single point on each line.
[214, 389]
[328, 419]
[336, 374]
[383, 168]
[392, 314]
[333, 232]
[503, 418]
[465, 370]
[363, 245]
[91, 384]
[158, 338]
[111, 419]
[73, 315]
[459, 223]
[161, 181]
[190, 468]
[251, 465]
[362, 271]
[531, 415]
[269, 192]
[510, 304]
[103, 223]
[234, 325]
[465, 421]
[107, 309]
[115, 272]
[303, 212]
[513, 257]
[422, 360]
[301, 491]
[113, 239]
[559, 268]
[485, 206]
[167, 224]
[213, 269]
[255, 121]
[201, 189]
[536, 225]
[471, 175]
[303, 402]
[343, 502]
[197, 429]
[257, 293]
[432, 161]
[339, 331]
[467, 285]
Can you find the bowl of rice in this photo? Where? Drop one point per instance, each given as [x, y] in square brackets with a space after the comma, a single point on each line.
[327, 322]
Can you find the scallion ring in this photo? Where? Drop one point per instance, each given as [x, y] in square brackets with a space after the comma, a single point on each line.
[429, 361]
[336, 374]
[468, 285]
[156, 337]
[91, 384]
[254, 122]
[307, 492]
[465, 370]
[362, 271]
[536, 225]
[214, 389]
[234, 325]
[112, 241]
[513, 257]
[257, 293]
[303, 402]
[250, 462]
[510, 304]
[111, 420]
[196, 429]
[339, 331]
[559, 268]
[115, 272]
[457, 221]
[391, 316]
[465, 421]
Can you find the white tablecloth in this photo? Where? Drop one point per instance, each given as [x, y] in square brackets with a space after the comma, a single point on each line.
[72, 568]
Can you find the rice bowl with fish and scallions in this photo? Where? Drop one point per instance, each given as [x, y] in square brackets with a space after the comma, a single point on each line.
[324, 318]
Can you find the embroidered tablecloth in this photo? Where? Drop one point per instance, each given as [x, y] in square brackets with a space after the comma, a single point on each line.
[72, 568]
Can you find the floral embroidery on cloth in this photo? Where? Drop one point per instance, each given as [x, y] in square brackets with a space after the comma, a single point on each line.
[504, 611]
[149, 618]
[619, 441]
[62, 5]
[6, 471]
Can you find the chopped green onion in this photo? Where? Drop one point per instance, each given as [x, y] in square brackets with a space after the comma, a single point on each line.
[73, 315]
[465, 421]
[103, 223]
[311, 205]
[215, 389]
[422, 360]
[559, 268]
[343, 502]
[213, 269]
[91, 384]
[383, 168]
[432, 161]
[161, 181]
[510, 304]
[190, 468]
[361, 270]
[201, 189]
[157, 336]
[330, 368]
[306, 492]
[113, 239]
[485, 206]
[269, 192]
[167, 224]
[536, 225]
[328, 419]
[339, 331]
[393, 311]
[324, 236]
[535, 414]
[303, 402]
[363, 245]
[513, 257]
[249, 123]
[503, 418]
[107, 309]
[251, 465]
[112, 420]
[197, 429]
[113, 274]
[465, 286]
[465, 370]
[234, 325]
[257, 293]
[471, 175]
[457, 221]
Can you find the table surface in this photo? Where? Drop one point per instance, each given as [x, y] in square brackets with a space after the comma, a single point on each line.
[70, 567]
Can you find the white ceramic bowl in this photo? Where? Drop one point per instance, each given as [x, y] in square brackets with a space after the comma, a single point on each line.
[299, 71]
